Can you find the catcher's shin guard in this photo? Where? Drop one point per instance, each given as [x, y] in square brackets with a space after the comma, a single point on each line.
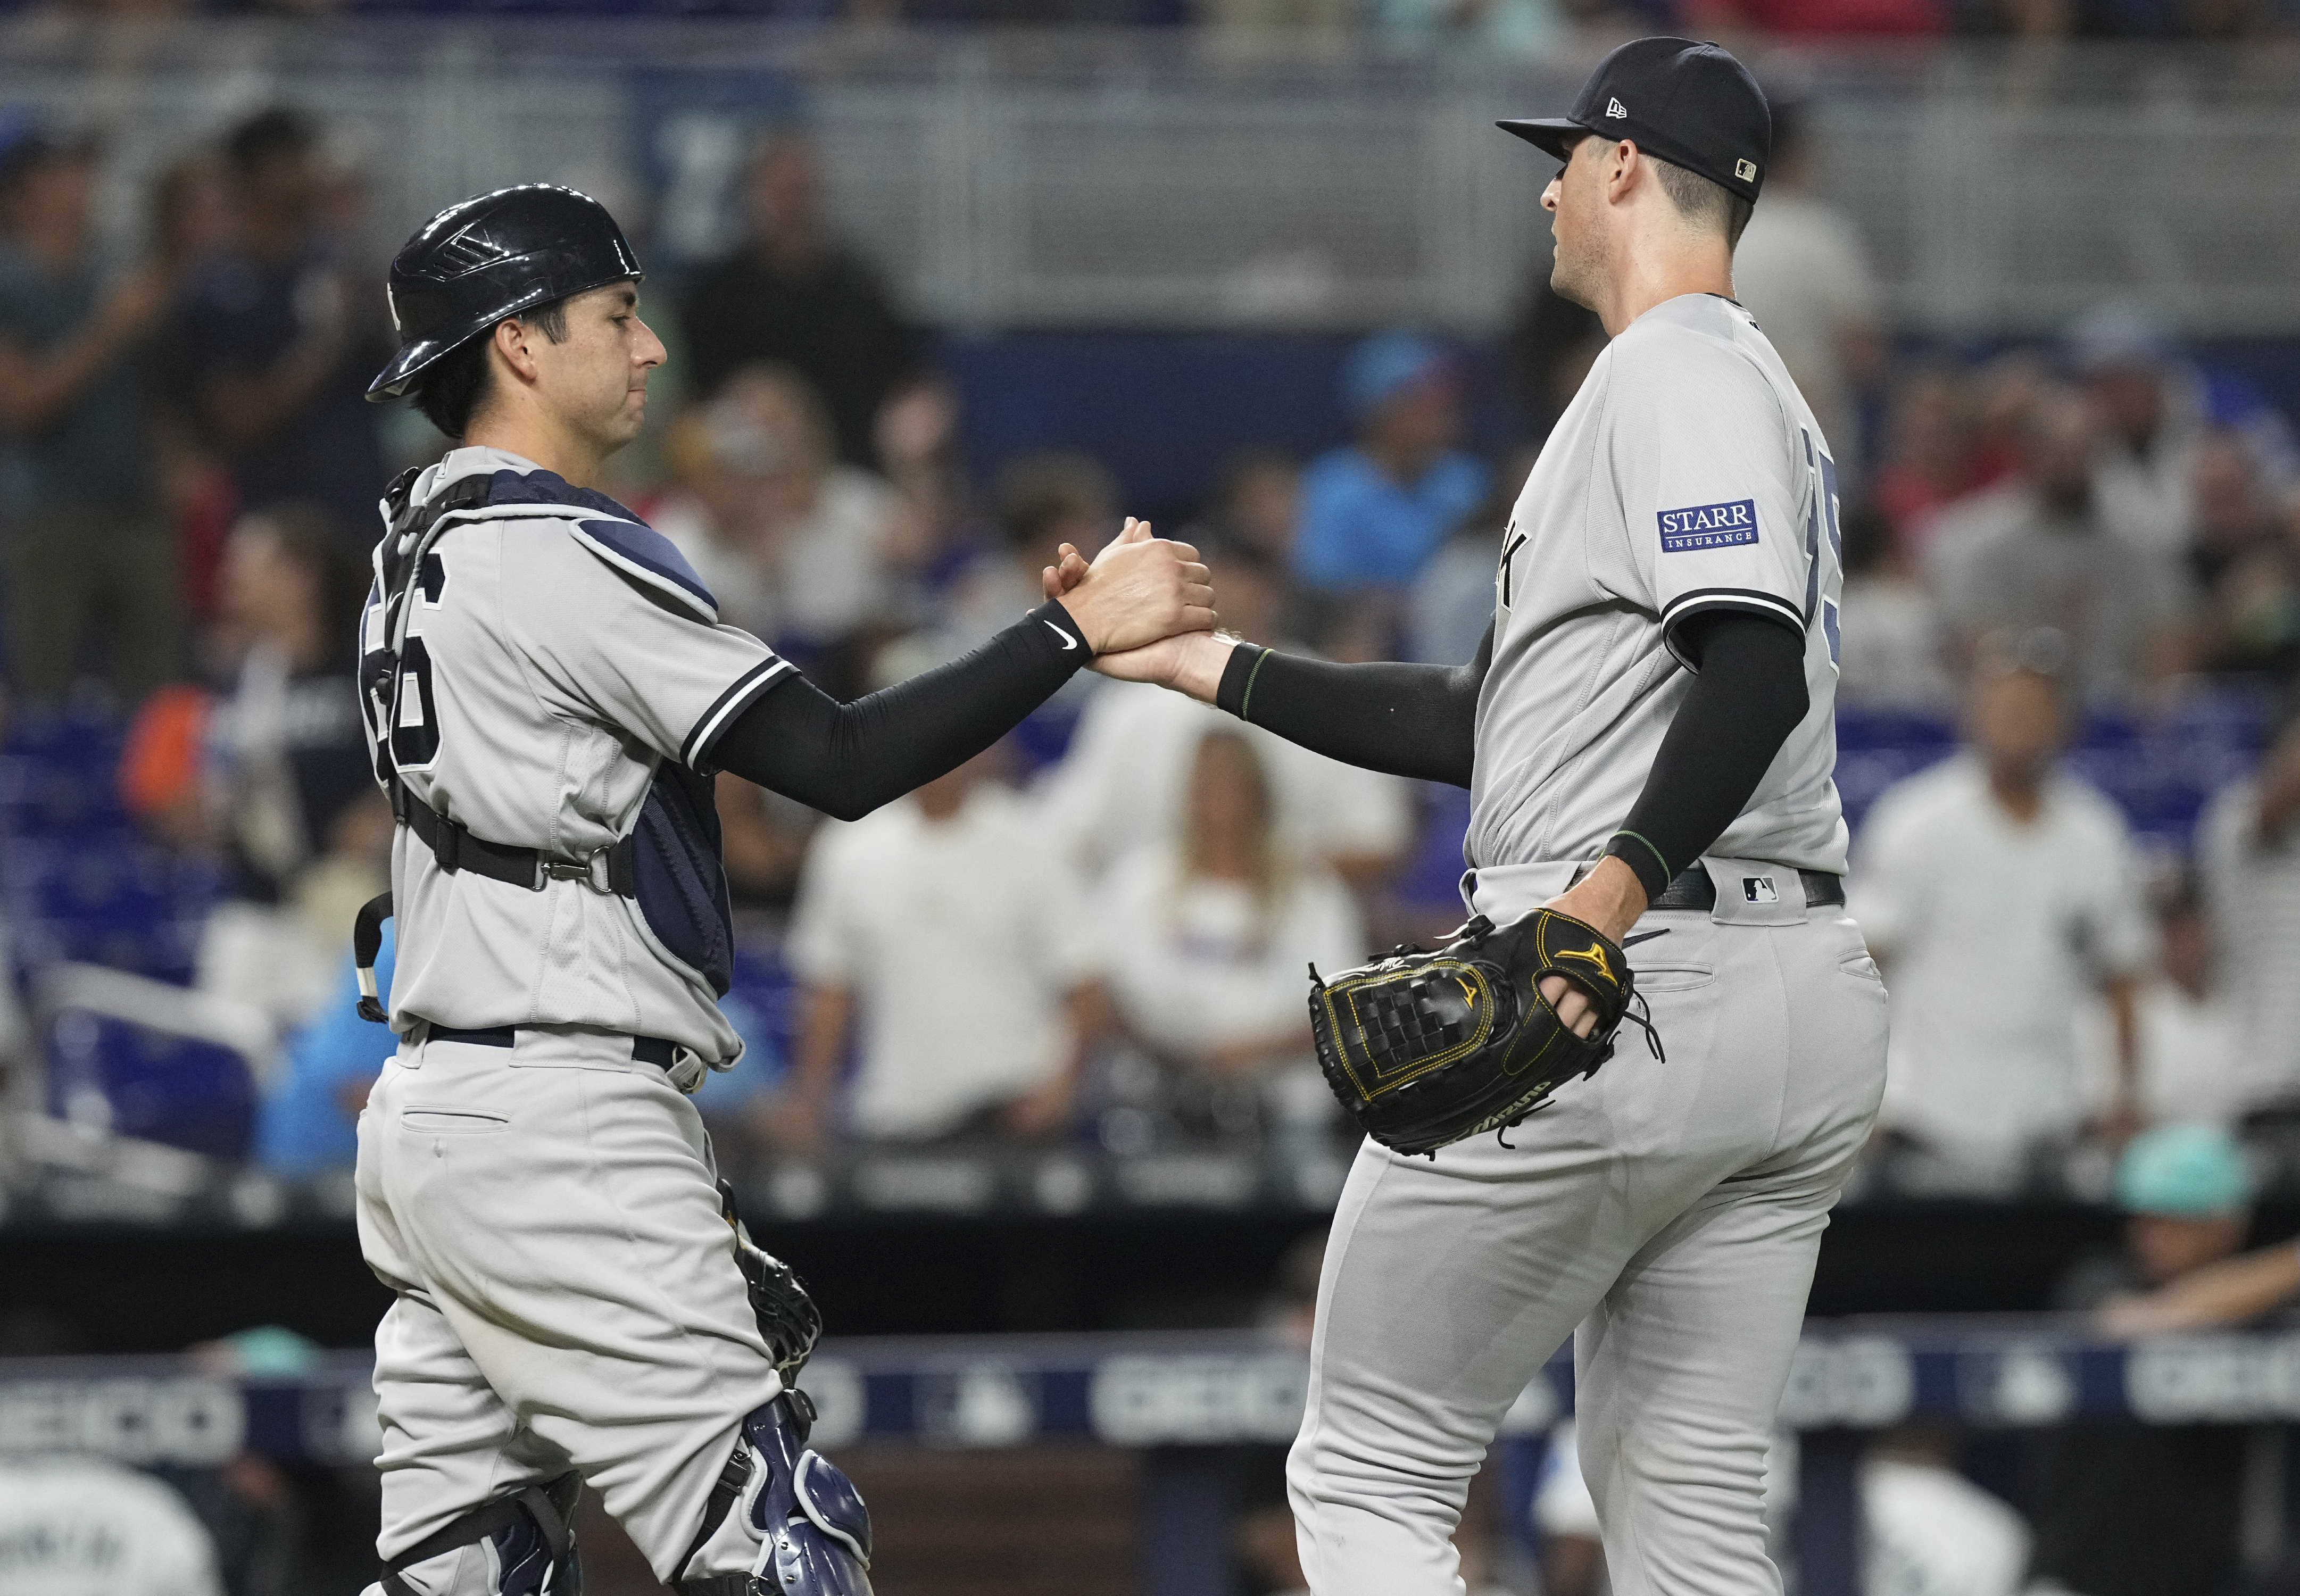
[522, 1544]
[784, 1507]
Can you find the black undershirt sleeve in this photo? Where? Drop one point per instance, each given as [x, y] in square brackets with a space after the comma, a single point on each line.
[1417, 720]
[1749, 696]
[847, 758]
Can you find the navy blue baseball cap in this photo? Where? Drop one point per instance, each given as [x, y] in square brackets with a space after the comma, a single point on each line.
[1689, 103]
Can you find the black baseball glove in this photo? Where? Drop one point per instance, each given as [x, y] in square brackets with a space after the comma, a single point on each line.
[788, 1316]
[1425, 1048]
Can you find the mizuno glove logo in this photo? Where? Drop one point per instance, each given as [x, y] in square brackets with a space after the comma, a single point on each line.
[1596, 956]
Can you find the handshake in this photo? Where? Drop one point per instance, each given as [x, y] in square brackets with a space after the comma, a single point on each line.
[1146, 608]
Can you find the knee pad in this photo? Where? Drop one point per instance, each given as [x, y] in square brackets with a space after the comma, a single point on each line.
[525, 1543]
[799, 1520]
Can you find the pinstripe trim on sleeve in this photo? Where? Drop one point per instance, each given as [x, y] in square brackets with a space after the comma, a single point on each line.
[1754, 601]
[746, 688]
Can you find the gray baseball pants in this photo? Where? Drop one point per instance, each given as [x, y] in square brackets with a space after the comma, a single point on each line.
[1671, 1211]
[567, 1291]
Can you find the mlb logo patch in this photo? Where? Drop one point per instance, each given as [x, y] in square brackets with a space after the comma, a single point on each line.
[1759, 889]
[1708, 527]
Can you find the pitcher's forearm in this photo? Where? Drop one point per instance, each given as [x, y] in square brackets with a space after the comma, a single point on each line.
[1416, 720]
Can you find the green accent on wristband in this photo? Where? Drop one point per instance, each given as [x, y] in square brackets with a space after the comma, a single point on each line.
[1245, 699]
[1666, 873]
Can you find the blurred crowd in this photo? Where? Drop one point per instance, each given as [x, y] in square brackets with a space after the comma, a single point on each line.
[1500, 29]
[1097, 930]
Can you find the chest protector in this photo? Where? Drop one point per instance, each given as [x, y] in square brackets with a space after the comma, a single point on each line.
[669, 863]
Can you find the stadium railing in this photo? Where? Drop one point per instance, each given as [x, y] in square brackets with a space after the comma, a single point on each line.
[1164, 178]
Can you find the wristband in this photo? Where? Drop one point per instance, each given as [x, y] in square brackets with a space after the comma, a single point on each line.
[1235, 693]
[1652, 871]
[1067, 639]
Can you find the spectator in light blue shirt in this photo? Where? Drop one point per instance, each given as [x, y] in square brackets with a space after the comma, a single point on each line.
[1373, 512]
[309, 1123]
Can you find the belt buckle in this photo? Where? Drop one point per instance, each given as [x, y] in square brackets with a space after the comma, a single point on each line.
[592, 872]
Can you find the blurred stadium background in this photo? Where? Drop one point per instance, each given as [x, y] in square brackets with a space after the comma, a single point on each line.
[945, 281]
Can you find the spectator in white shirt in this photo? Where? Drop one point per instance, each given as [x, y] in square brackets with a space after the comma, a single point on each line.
[796, 546]
[945, 933]
[2193, 1069]
[1891, 654]
[2039, 551]
[1802, 268]
[1207, 937]
[2152, 413]
[2249, 853]
[1999, 891]
[2158, 418]
[85, 1527]
[1927, 1531]
[1124, 782]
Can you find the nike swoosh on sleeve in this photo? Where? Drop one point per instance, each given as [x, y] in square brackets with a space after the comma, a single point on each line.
[1069, 642]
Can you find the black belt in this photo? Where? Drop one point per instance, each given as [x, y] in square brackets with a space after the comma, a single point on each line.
[455, 848]
[1694, 889]
[646, 1050]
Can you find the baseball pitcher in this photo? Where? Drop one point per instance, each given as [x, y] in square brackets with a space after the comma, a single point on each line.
[1648, 739]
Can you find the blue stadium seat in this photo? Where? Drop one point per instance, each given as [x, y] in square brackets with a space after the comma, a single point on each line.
[81, 882]
[1432, 877]
[138, 1082]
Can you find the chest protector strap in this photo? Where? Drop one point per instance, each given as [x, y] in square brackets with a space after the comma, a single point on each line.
[399, 561]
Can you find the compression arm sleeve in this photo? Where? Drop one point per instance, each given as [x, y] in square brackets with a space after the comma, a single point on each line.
[1749, 696]
[847, 758]
[1418, 720]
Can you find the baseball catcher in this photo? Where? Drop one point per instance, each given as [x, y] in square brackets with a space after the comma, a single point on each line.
[549, 693]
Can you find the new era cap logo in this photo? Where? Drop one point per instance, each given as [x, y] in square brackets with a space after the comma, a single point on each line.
[1616, 110]
[1746, 171]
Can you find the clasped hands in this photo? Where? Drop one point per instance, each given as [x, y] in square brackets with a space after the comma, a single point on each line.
[1146, 606]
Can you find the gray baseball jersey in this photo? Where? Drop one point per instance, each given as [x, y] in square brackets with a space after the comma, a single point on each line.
[1687, 476]
[561, 663]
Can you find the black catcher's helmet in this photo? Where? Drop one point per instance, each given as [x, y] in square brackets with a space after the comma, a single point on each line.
[493, 256]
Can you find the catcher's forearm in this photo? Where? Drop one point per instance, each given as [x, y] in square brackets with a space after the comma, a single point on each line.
[1748, 697]
[1417, 720]
[847, 758]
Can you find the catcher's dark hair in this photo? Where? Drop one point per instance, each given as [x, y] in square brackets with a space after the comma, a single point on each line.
[269, 135]
[456, 386]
